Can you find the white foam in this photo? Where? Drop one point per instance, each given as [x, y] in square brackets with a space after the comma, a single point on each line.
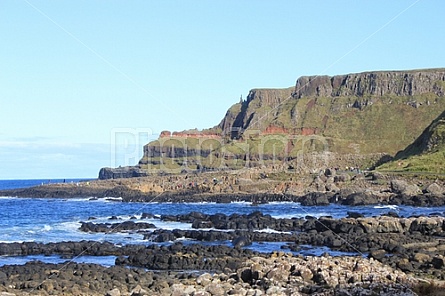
[170, 225]
[68, 226]
[46, 228]
[392, 207]
[282, 203]
[8, 197]
[79, 199]
[268, 230]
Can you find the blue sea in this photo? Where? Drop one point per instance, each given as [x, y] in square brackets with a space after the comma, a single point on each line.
[56, 219]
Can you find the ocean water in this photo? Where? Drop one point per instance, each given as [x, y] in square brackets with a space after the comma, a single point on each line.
[14, 184]
[56, 219]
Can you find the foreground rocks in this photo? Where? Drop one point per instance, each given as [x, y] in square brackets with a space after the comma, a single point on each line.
[273, 274]
[392, 249]
[413, 244]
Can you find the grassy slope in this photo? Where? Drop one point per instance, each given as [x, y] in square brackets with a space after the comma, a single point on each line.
[426, 154]
[383, 125]
[388, 125]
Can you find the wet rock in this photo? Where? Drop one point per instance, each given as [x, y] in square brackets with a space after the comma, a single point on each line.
[241, 241]
[315, 199]
[360, 198]
[377, 254]
[354, 215]
[147, 216]
[114, 227]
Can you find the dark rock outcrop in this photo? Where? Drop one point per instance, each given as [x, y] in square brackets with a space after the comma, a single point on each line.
[380, 83]
[122, 172]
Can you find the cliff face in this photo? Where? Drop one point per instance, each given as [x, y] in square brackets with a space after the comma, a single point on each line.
[247, 114]
[371, 108]
[385, 83]
[365, 113]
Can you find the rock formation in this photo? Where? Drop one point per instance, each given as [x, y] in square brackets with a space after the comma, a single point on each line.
[365, 115]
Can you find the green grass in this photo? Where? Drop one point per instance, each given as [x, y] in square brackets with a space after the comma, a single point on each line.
[387, 124]
[429, 162]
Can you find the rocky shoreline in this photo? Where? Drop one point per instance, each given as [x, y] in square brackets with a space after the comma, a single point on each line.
[257, 187]
[393, 255]
[414, 244]
[233, 272]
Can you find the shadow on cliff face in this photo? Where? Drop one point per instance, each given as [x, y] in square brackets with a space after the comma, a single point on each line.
[432, 138]
[238, 126]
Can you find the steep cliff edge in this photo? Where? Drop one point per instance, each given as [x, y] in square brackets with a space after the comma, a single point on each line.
[345, 119]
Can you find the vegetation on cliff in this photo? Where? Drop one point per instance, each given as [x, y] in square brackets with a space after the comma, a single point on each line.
[425, 154]
[369, 114]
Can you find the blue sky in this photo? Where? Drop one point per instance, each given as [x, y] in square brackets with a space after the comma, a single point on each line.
[85, 82]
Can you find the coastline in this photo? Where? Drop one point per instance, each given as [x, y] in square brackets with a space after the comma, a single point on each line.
[256, 187]
[395, 255]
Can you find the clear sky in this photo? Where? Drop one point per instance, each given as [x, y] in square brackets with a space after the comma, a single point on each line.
[84, 82]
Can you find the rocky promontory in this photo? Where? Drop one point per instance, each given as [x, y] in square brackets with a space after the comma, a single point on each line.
[359, 120]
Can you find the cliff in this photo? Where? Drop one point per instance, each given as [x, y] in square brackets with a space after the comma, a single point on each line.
[383, 83]
[339, 120]
[327, 106]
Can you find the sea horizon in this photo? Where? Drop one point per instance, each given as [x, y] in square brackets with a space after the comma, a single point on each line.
[25, 183]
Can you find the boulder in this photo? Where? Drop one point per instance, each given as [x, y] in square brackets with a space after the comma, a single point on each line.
[377, 254]
[377, 176]
[427, 225]
[434, 189]
[404, 265]
[360, 198]
[315, 199]
[332, 187]
[241, 241]
[382, 225]
[114, 292]
[422, 257]
[403, 187]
